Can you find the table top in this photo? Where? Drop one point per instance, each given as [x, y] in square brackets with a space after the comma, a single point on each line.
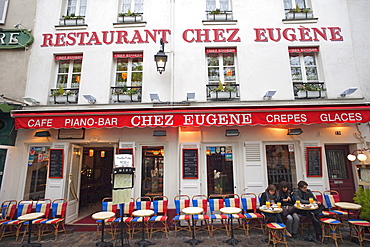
[271, 210]
[102, 215]
[230, 210]
[31, 216]
[143, 213]
[348, 205]
[307, 206]
[192, 210]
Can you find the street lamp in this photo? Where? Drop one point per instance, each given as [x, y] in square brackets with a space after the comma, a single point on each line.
[161, 58]
[361, 156]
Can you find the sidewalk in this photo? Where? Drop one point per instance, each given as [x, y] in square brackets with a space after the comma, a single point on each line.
[256, 238]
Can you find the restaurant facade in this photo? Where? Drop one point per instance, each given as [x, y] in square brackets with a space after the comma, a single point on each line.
[244, 100]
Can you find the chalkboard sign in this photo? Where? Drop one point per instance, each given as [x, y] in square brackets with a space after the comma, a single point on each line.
[190, 163]
[127, 151]
[313, 162]
[56, 161]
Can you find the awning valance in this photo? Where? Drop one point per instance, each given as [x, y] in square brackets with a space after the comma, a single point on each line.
[68, 57]
[196, 117]
[222, 50]
[127, 55]
[303, 49]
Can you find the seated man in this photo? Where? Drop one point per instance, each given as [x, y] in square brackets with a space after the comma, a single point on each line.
[303, 194]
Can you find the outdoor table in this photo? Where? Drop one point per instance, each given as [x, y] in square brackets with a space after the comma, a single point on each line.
[348, 206]
[231, 210]
[308, 207]
[270, 210]
[103, 216]
[192, 211]
[30, 217]
[143, 214]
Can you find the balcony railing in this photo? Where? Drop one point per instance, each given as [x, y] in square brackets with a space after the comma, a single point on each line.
[123, 18]
[126, 94]
[231, 92]
[309, 90]
[292, 14]
[219, 15]
[70, 96]
[71, 21]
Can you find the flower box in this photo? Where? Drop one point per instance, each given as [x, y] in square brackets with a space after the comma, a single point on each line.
[299, 15]
[223, 95]
[125, 97]
[311, 94]
[219, 17]
[124, 19]
[63, 99]
[71, 22]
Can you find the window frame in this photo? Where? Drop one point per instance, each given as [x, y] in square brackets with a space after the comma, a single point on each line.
[4, 11]
[70, 74]
[132, 7]
[129, 71]
[77, 10]
[294, 4]
[303, 67]
[218, 5]
[222, 68]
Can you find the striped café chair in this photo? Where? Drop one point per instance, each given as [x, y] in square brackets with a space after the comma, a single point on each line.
[8, 209]
[359, 227]
[330, 198]
[215, 204]
[125, 212]
[181, 202]
[201, 202]
[158, 222]
[58, 213]
[233, 200]
[249, 205]
[330, 229]
[23, 207]
[142, 203]
[107, 206]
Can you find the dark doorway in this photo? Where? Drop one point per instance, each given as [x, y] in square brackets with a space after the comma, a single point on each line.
[340, 171]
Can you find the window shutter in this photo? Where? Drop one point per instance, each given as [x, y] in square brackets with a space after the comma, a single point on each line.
[139, 6]
[3, 9]
[211, 5]
[253, 170]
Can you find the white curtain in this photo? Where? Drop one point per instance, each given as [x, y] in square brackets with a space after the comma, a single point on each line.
[139, 6]
[126, 5]
[211, 5]
[224, 5]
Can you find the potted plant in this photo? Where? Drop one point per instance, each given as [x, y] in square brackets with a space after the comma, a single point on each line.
[126, 94]
[362, 197]
[63, 96]
[72, 19]
[129, 17]
[218, 15]
[223, 91]
[298, 13]
[308, 90]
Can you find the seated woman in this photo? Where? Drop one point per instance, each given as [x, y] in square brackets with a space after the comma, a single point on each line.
[292, 218]
[272, 196]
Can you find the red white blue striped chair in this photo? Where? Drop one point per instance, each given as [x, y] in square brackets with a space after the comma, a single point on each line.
[24, 207]
[277, 233]
[125, 212]
[359, 227]
[330, 198]
[233, 200]
[158, 222]
[249, 205]
[181, 202]
[215, 204]
[107, 206]
[41, 206]
[201, 201]
[58, 213]
[8, 209]
[142, 203]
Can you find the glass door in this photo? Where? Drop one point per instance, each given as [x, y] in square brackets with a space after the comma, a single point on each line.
[220, 170]
[152, 171]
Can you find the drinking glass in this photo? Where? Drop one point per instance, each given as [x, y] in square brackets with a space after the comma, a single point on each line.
[279, 204]
[298, 203]
[268, 204]
[311, 200]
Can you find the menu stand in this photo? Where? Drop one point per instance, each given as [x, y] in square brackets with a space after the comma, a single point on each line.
[103, 216]
[143, 214]
[30, 217]
[192, 211]
[230, 211]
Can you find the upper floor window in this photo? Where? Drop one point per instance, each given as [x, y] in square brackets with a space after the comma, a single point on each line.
[297, 9]
[76, 7]
[132, 6]
[69, 71]
[129, 69]
[3, 9]
[221, 69]
[222, 5]
[218, 10]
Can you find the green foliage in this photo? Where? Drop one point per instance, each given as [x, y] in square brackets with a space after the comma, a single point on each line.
[125, 91]
[223, 88]
[129, 13]
[310, 87]
[363, 198]
[72, 16]
[215, 12]
[61, 92]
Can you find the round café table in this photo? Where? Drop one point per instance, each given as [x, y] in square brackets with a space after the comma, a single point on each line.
[143, 214]
[103, 216]
[193, 211]
[348, 206]
[30, 217]
[230, 211]
[308, 207]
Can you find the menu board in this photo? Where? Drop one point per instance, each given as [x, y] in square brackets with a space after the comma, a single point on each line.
[190, 163]
[56, 161]
[313, 162]
[127, 151]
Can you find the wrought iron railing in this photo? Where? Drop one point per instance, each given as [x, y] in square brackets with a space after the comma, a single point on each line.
[291, 14]
[309, 90]
[219, 15]
[122, 18]
[126, 94]
[231, 92]
[72, 21]
[70, 96]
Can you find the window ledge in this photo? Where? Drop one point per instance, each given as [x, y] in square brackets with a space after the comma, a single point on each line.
[70, 27]
[299, 21]
[231, 22]
[130, 24]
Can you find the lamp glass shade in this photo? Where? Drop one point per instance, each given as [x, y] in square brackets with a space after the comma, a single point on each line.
[351, 157]
[102, 154]
[361, 157]
[160, 60]
[91, 152]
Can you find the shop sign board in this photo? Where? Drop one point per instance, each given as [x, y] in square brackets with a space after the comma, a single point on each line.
[15, 38]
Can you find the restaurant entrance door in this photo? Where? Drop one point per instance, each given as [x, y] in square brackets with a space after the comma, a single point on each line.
[220, 177]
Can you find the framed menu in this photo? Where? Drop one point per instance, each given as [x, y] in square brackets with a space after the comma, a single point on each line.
[313, 162]
[56, 160]
[190, 163]
[127, 151]
[71, 133]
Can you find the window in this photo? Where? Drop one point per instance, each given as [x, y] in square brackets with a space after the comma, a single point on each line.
[76, 7]
[222, 5]
[69, 71]
[297, 9]
[129, 69]
[303, 64]
[293, 4]
[3, 9]
[221, 65]
[132, 6]
[152, 171]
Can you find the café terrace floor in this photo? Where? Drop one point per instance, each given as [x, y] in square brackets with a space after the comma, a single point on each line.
[256, 238]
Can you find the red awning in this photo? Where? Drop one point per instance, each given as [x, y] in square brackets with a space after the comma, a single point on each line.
[196, 117]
